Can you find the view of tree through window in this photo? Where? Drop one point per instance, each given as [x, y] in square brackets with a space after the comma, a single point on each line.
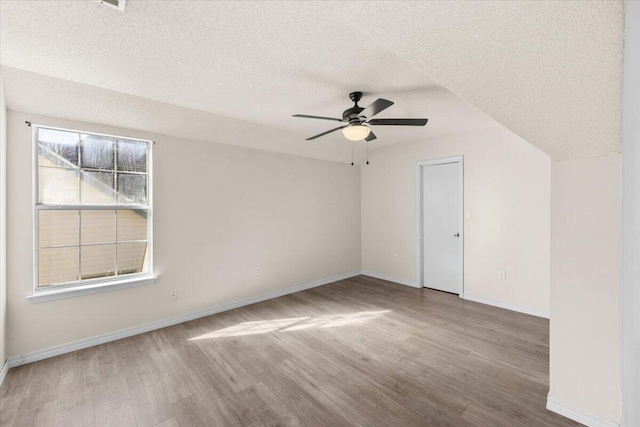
[92, 206]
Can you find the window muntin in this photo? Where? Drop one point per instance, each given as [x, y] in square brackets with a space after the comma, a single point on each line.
[92, 210]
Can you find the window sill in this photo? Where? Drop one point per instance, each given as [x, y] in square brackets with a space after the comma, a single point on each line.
[77, 291]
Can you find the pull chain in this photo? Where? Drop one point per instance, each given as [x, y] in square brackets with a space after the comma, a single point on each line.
[367, 152]
[352, 154]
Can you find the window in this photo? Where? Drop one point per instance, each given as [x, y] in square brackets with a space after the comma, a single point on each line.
[92, 208]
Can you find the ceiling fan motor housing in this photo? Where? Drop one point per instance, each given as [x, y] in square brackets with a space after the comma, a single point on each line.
[352, 115]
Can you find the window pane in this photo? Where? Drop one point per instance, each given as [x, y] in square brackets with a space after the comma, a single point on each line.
[98, 261]
[132, 257]
[57, 228]
[132, 188]
[58, 186]
[132, 156]
[132, 225]
[98, 227]
[58, 147]
[97, 152]
[79, 168]
[97, 188]
[58, 265]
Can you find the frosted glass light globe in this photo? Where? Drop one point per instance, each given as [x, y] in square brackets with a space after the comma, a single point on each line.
[356, 132]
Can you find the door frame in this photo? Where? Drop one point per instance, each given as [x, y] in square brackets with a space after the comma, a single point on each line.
[419, 217]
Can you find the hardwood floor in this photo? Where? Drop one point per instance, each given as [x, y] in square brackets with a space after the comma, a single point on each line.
[361, 351]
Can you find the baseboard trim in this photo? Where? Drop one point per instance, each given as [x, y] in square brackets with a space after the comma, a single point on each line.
[506, 306]
[576, 414]
[46, 353]
[465, 296]
[390, 279]
[3, 371]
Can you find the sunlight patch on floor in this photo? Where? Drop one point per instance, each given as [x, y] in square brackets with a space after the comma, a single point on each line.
[292, 324]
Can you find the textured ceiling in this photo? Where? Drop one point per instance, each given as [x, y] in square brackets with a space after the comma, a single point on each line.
[550, 71]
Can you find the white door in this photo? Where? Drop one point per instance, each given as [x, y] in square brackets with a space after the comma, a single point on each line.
[441, 216]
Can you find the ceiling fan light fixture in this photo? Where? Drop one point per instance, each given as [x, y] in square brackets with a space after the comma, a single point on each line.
[356, 132]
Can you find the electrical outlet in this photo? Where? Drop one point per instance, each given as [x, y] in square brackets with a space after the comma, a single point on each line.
[395, 257]
[173, 295]
[468, 214]
[257, 271]
[502, 274]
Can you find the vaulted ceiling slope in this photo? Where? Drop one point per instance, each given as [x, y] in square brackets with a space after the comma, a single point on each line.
[53, 97]
[549, 71]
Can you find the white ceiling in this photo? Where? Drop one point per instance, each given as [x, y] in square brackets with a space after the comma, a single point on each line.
[549, 72]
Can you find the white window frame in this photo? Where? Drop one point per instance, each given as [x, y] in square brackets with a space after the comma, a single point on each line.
[96, 285]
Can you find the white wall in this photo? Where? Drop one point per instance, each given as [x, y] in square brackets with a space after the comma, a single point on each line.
[630, 289]
[3, 228]
[220, 211]
[507, 186]
[585, 264]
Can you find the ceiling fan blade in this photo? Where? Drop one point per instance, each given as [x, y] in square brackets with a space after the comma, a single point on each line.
[371, 137]
[304, 116]
[324, 133]
[376, 107]
[398, 122]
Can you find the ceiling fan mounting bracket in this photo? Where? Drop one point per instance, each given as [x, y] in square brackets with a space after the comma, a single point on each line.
[355, 97]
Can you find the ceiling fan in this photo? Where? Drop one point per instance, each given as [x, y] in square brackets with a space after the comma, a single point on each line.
[359, 119]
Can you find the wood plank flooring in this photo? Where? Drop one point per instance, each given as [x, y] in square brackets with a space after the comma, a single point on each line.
[359, 352]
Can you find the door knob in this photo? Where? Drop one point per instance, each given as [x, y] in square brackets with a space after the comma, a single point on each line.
[456, 235]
